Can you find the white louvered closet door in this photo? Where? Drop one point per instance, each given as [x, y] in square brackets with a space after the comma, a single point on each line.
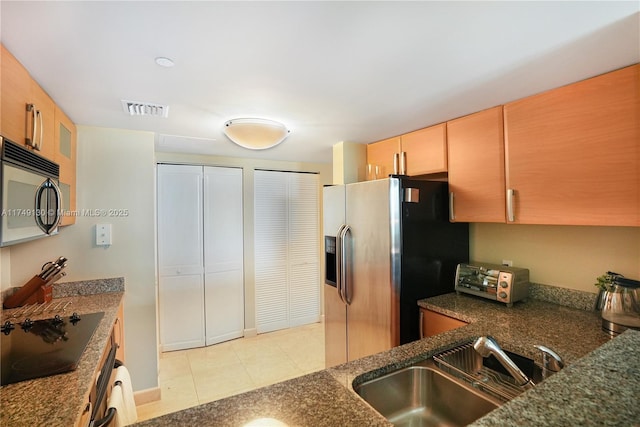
[304, 259]
[287, 279]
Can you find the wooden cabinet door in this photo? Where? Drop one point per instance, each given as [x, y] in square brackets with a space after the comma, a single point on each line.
[381, 155]
[426, 150]
[476, 167]
[573, 153]
[46, 108]
[19, 90]
[118, 333]
[65, 146]
[432, 323]
[16, 89]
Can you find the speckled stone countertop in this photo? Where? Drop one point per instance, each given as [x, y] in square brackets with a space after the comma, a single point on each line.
[58, 400]
[326, 398]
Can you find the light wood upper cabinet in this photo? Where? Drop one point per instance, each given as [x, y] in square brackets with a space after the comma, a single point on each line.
[18, 91]
[426, 150]
[476, 167]
[55, 132]
[573, 153]
[65, 143]
[380, 155]
[416, 153]
[45, 128]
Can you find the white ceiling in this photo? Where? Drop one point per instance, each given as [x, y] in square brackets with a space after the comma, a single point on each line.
[331, 71]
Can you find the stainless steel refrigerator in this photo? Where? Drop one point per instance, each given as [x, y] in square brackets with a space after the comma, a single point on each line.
[388, 243]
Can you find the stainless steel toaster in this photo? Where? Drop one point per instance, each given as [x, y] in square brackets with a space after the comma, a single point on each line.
[492, 281]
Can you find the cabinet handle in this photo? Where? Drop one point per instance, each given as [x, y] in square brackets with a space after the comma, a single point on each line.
[421, 324]
[403, 163]
[396, 163]
[511, 193]
[30, 140]
[452, 215]
[120, 333]
[40, 120]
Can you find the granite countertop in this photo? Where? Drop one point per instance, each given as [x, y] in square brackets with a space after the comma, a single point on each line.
[326, 398]
[59, 400]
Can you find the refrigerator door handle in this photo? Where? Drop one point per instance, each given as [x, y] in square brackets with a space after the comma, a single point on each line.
[344, 284]
[339, 263]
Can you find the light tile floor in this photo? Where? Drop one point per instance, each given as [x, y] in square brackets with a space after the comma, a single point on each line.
[196, 376]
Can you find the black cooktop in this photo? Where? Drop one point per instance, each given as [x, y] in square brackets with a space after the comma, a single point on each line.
[40, 348]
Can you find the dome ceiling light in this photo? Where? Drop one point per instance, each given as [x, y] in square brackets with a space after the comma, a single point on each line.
[255, 134]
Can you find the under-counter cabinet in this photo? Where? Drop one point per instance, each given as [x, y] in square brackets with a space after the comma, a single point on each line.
[421, 152]
[200, 255]
[573, 153]
[432, 323]
[116, 339]
[476, 167]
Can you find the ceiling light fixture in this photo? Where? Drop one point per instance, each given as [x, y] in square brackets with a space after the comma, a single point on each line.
[164, 62]
[255, 134]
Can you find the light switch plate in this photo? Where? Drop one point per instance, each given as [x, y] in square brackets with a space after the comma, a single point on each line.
[103, 234]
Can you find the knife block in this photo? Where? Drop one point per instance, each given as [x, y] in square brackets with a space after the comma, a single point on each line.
[22, 295]
[41, 295]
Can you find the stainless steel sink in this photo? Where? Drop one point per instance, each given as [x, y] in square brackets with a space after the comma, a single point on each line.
[422, 395]
[454, 388]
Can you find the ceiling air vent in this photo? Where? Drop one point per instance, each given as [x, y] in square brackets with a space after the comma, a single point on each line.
[134, 108]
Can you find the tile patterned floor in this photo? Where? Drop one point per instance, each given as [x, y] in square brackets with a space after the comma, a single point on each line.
[196, 376]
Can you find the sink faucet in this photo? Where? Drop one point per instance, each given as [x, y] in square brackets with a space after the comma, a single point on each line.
[551, 362]
[487, 346]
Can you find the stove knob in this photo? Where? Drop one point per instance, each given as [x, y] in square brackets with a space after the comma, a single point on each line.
[504, 284]
[27, 324]
[56, 320]
[502, 294]
[75, 318]
[7, 327]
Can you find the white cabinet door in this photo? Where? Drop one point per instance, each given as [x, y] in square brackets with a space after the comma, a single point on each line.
[181, 306]
[287, 258]
[223, 254]
[179, 220]
[180, 257]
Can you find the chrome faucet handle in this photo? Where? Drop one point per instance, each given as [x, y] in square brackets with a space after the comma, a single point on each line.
[487, 346]
[550, 359]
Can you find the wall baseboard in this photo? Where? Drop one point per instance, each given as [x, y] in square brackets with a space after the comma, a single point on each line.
[252, 332]
[147, 396]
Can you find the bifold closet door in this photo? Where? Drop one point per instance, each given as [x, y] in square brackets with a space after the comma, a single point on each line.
[180, 257]
[223, 254]
[287, 279]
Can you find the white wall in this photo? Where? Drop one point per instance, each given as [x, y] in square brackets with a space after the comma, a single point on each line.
[563, 256]
[115, 170]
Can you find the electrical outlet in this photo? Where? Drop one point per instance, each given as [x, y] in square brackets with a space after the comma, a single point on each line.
[507, 262]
